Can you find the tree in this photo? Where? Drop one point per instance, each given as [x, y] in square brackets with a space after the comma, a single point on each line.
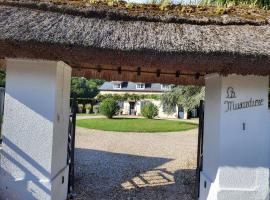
[98, 82]
[85, 90]
[109, 108]
[150, 110]
[2, 78]
[186, 96]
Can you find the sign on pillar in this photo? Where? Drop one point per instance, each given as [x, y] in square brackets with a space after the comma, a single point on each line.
[236, 138]
[35, 129]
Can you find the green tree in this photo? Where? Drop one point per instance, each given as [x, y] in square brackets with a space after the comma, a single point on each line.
[186, 96]
[2, 78]
[98, 82]
[149, 110]
[84, 88]
[109, 107]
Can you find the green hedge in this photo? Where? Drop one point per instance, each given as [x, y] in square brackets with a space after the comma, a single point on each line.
[149, 110]
[109, 108]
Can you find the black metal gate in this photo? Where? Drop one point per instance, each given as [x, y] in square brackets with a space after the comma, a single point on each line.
[200, 148]
[2, 101]
[71, 148]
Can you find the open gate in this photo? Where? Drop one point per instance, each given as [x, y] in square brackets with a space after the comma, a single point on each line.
[2, 101]
[200, 148]
[71, 149]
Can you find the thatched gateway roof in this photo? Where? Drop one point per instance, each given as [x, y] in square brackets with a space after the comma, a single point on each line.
[99, 41]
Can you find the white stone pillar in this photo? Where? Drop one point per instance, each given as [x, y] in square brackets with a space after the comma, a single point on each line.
[185, 114]
[236, 138]
[33, 161]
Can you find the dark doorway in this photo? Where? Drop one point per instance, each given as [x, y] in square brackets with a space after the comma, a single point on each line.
[132, 108]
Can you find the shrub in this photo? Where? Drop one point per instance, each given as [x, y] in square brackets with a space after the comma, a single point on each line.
[149, 110]
[109, 108]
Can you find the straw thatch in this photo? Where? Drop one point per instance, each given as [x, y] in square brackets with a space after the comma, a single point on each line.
[114, 44]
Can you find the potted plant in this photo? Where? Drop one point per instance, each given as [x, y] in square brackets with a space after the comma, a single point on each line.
[80, 108]
[88, 108]
[96, 109]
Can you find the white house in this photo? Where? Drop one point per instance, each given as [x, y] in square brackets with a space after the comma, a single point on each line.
[131, 107]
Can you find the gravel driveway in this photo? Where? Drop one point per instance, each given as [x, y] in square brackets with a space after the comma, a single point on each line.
[135, 166]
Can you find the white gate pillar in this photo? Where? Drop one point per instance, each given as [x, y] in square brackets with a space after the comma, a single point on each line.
[236, 138]
[33, 161]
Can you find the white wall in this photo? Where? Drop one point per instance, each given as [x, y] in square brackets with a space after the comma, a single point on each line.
[126, 108]
[161, 113]
[138, 107]
[33, 158]
[236, 161]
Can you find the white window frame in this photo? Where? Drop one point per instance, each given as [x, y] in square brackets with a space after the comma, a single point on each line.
[140, 88]
[166, 87]
[118, 84]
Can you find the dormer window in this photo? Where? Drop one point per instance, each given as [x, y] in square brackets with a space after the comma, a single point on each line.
[117, 86]
[165, 87]
[140, 86]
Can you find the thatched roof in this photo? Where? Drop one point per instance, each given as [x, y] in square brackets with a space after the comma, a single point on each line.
[119, 43]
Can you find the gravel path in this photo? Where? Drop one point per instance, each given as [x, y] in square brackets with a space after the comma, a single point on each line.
[135, 166]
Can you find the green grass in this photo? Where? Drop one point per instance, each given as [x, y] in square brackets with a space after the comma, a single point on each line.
[136, 125]
[84, 114]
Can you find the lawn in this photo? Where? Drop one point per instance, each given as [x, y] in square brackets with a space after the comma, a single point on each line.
[136, 125]
[84, 114]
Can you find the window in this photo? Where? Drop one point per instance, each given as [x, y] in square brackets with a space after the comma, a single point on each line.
[167, 108]
[117, 86]
[147, 85]
[140, 86]
[165, 87]
[121, 104]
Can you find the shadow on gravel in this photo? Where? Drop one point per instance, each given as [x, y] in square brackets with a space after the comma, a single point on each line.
[104, 175]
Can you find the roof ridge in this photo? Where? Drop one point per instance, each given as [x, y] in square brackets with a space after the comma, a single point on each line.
[115, 13]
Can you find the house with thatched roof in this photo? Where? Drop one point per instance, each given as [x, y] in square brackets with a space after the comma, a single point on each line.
[43, 42]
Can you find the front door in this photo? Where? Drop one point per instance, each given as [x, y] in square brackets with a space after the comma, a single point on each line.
[132, 108]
